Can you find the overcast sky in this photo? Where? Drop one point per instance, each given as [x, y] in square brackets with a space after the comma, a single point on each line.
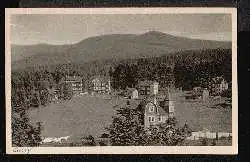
[67, 29]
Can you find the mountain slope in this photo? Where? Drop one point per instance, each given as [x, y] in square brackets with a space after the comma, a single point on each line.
[117, 46]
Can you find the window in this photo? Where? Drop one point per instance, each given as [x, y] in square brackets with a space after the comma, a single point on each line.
[151, 107]
[161, 118]
[151, 118]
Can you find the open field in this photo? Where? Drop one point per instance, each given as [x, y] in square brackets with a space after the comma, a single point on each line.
[84, 115]
[202, 115]
[81, 116]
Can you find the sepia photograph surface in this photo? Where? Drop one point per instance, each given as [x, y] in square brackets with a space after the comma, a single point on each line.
[121, 81]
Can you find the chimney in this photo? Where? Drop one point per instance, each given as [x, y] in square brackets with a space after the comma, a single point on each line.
[154, 99]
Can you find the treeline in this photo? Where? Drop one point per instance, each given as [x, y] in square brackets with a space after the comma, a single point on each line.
[31, 88]
[185, 69]
[129, 74]
[195, 70]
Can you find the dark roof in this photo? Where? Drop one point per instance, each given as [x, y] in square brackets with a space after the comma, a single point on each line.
[197, 88]
[162, 111]
[147, 83]
[218, 80]
[73, 78]
[101, 78]
[131, 89]
[148, 99]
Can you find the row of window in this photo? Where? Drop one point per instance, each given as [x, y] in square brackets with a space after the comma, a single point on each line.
[100, 88]
[78, 84]
[100, 84]
[76, 89]
[152, 118]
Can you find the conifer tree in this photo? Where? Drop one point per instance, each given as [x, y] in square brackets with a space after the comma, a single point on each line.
[168, 134]
[126, 129]
[24, 134]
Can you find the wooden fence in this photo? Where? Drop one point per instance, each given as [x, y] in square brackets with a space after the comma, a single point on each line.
[210, 135]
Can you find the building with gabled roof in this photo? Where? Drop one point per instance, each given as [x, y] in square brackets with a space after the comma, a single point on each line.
[155, 112]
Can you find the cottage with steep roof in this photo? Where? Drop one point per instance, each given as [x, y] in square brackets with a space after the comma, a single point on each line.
[154, 112]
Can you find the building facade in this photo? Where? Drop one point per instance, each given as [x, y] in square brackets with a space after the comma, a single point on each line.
[148, 87]
[218, 85]
[166, 81]
[76, 83]
[101, 85]
[155, 112]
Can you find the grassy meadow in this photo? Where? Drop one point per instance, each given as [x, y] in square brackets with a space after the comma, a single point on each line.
[202, 115]
[78, 117]
[84, 115]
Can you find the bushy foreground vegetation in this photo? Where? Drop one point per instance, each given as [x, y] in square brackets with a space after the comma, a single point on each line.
[127, 130]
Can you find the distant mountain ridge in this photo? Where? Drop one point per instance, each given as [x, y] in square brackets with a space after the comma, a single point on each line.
[116, 46]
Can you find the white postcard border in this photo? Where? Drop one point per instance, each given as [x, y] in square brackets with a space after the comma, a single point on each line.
[226, 150]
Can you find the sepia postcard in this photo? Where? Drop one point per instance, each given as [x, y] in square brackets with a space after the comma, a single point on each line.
[121, 81]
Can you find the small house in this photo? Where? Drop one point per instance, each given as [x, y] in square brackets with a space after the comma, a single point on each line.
[154, 112]
[218, 85]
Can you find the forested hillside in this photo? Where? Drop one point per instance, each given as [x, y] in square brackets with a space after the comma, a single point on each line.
[184, 69]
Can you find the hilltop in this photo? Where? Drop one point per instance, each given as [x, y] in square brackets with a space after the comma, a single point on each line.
[115, 46]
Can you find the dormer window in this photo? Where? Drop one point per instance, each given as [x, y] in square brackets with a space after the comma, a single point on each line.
[150, 107]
